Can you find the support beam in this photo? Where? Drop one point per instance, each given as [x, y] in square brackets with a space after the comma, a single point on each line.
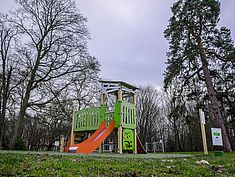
[102, 97]
[120, 139]
[135, 134]
[62, 143]
[72, 134]
[101, 148]
[134, 99]
[120, 125]
[120, 94]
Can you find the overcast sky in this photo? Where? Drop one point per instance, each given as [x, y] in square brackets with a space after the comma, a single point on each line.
[127, 36]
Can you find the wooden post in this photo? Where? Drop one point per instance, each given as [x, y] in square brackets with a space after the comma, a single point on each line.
[202, 122]
[135, 131]
[120, 125]
[134, 99]
[204, 139]
[120, 139]
[62, 143]
[120, 94]
[102, 97]
[72, 135]
[135, 134]
[100, 148]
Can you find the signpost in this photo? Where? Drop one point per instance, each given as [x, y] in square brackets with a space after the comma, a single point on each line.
[203, 122]
[57, 143]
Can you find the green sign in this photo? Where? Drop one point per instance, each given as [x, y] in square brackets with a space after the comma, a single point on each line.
[216, 133]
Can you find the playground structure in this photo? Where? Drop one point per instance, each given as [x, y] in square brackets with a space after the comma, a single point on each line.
[114, 125]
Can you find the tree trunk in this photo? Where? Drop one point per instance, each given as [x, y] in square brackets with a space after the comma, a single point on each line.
[217, 117]
[2, 132]
[21, 117]
[20, 124]
[6, 79]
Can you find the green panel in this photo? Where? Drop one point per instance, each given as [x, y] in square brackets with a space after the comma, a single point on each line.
[87, 119]
[90, 119]
[108, 117]
[102, 113]
[128, 115]
[117, 113]
[128, 140]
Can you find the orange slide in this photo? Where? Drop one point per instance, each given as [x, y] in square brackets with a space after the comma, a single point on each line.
[93, 142]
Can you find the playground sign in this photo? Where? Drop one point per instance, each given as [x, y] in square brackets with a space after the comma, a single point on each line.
[216, 137]
[57, 143]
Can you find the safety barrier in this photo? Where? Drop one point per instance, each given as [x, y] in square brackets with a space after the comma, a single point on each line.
[128, 115]
[91, 118]
[87, 119]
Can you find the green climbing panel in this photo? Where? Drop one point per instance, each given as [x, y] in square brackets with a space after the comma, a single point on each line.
[128, 140]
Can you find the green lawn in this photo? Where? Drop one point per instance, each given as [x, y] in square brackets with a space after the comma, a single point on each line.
[18, 163]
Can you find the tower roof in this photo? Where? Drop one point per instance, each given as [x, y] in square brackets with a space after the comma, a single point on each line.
[110, 86]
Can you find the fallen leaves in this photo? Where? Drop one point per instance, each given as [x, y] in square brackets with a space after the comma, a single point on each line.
[214, 168]
[202, 162]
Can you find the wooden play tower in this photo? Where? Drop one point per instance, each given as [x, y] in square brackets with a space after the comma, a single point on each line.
[91, 127]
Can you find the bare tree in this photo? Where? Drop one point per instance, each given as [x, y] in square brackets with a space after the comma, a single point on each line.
[7, 71]
[175, 115]
[148, 113]
[52, 51]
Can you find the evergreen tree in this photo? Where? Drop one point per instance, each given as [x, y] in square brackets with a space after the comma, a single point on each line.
[196, 44]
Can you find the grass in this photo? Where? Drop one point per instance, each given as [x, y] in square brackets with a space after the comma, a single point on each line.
[17, 163]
